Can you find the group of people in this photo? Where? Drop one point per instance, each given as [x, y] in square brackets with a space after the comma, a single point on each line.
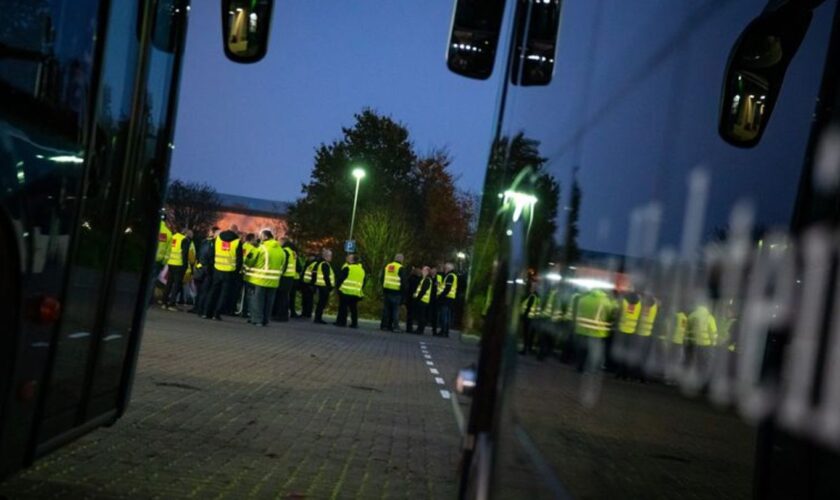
[258, 277]
[429, 297]
[622, 332]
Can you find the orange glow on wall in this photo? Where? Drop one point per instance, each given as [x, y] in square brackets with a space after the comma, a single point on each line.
[252, 223]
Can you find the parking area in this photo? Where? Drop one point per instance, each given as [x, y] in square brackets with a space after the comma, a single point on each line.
[295, 410]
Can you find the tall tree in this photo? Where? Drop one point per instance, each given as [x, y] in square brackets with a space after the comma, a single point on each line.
[193, 205]
[381, 236]
[443, 221]
[376, 143]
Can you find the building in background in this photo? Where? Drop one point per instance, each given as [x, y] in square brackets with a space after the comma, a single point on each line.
[252, 214]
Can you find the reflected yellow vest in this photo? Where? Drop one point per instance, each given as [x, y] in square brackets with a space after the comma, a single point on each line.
[629, 316]
[225, 259]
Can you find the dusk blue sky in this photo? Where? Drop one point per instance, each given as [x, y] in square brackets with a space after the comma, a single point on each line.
[253, 129]
[634, 104]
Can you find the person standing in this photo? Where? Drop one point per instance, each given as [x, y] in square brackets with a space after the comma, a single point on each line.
[226, 256]
[264, 277]
[530, 310]
[422, 298]
[179, 257]
[392, 294]
[324, 279]
[281, 304]
[307, 287]
[411, 303]
[350, 283]
[295, 288]
[437, 282]
[446, 298]
[249, 247]
[204, 271]
[594, 316]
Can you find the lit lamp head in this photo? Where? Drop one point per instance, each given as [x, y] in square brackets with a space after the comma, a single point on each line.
[359, 173]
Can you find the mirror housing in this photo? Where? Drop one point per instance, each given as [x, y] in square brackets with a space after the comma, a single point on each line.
[474, 37]
[756, 70]
[245, 28]
[537, 26]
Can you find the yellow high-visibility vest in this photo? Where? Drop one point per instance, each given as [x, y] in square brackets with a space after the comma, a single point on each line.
[392, 279]
[267, 265]
[164, 239]
[680, 328]
[225, 258]
[630, 313]
[291, 263]
[593, 314]
[176, 258]
[647, 319]
[319, 275]
[452, 291]
[427, 295]
[702, 328]
[307, 273]
[352, 285]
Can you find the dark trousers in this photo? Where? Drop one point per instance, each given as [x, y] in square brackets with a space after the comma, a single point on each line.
[347, 303]
[421, 310]
[203, 292]
[307, 295]
[293, 293]
[232, 299]
[261, 302]
[411, 314]
[433, 315]
[391, 310]
[445, 315]
[281, 302]
[174, 283]
[323, 299]
[220, 288]
[527, 334]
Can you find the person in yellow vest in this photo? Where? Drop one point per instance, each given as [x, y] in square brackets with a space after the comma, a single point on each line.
[162, 255]
[437, 282]
[226, 258]
[623, 343]
[178, 260]
[295, 288]
[263, 276]
[594, 315]
[350, 283]
[307, 286]
[422, 298]
[447, 292]
[644, 335]
[393, 283]
[249, 255]
[281, 303]
[529, 311]
[702, 333]
[324, 281]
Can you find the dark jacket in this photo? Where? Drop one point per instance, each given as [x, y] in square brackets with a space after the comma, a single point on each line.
[448, 280]
[413, 283]
[320, 268]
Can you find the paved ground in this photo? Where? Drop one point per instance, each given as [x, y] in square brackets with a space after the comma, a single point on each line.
[227, 410]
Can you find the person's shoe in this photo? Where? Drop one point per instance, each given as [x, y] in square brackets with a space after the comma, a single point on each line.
[320, 322]
[204, 316]
[172, 308]
[217, 318]
[294, 316]
[354, 326]
[263, 324]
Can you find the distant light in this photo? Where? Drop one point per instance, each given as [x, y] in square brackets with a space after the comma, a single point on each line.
[591, 284]
[359, 173]
[572, 267]
[66, 159]
[40, 157]
[509, 232]
[461, 255]
[520, 281]
[128, 230]
[520, 201]
[553, 277]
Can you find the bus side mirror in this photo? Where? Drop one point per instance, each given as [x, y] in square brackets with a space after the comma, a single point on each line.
[756, 71]
[533, 59]
[474, 37]
[245, 28]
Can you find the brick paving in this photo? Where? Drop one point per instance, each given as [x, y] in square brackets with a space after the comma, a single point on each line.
[228, 410]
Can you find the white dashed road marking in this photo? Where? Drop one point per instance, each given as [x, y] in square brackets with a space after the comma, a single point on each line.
[445, 394]
[439, 380]
[434, 371]
[430, 363]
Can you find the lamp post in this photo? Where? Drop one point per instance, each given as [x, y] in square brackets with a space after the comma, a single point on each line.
[359, 174]
[461, 256]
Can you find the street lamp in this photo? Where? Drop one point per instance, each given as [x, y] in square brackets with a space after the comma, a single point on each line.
[461, 256]
[359, 174]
